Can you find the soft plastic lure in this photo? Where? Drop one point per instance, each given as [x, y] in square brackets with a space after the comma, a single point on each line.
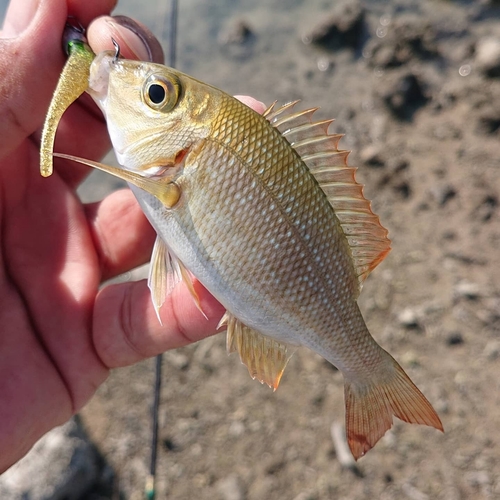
[72, 84]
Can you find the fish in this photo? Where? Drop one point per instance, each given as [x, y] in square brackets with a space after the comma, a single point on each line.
[264, 211]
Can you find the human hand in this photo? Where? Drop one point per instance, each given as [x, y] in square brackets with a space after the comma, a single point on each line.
[59, 333]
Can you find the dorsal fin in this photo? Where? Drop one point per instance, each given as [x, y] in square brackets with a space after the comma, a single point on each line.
[319, 150]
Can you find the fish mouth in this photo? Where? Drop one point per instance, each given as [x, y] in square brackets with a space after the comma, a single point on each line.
[99, 77]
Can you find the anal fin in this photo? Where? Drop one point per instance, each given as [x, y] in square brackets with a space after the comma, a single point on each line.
[165, 272]
[265, 358]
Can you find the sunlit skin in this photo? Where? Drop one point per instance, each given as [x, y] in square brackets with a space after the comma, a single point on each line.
[59, 333]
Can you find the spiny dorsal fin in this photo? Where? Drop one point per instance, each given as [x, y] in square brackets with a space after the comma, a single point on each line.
[165, 272]
[265, 358]
[319, 151]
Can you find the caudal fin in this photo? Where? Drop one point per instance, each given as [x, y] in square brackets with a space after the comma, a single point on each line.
[371, 405]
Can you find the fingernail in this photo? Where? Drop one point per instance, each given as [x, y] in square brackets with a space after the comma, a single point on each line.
[141, 42]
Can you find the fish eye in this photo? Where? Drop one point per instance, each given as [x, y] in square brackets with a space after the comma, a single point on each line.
[157, 93]
[161, 93]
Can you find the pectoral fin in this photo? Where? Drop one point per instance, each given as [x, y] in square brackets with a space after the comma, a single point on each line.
[265, 358]
[167, 191]
[165, 272]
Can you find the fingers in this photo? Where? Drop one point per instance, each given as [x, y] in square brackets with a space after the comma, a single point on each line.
[123, 237]
[31, 61]
[135, 40]
[27, 82]
[86, 11]
[126, 329]
[256, 105]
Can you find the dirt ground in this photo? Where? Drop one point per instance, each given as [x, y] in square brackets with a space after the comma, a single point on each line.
[415, 87]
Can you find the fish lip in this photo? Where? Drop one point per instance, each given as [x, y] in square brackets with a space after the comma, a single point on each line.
[99, 78]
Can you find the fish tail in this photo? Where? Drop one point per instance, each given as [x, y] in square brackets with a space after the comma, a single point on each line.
[371, 404]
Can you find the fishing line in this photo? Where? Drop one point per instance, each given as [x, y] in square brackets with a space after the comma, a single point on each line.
[151, 480]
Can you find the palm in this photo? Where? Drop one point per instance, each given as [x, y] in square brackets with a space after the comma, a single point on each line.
[59, 334]
[49, 277]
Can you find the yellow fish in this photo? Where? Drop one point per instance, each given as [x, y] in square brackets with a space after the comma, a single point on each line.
[264, 211]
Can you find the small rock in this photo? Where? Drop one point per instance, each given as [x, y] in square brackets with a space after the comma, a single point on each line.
[488, 121]
[478, 478]
[449, 235]
[230, 488]
[485, 210]
[492, 350]
[488, 56]
[237, 39]
[64, 464]
[238, 32]
[344, 27]
[408, 318]
[410, 358]
[403, 41]
[398, 165]
[372, 155]
[306, 495]
[413, 493]
[236, 428]
[443, 193]
[467, 290]
[404, 95]
[274, 466]
[177, 359]
[403, 189]
[170, 445]
[454, 338]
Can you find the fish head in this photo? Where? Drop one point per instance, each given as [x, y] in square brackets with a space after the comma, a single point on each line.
[154, 114]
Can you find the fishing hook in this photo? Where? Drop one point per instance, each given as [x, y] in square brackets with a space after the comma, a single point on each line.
[117, 50]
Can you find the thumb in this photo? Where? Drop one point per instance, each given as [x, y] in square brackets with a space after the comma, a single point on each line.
[32, 59]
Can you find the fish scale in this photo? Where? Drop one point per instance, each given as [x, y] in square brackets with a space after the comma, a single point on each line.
[217, 180]
[296, 192]
[266, 213]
